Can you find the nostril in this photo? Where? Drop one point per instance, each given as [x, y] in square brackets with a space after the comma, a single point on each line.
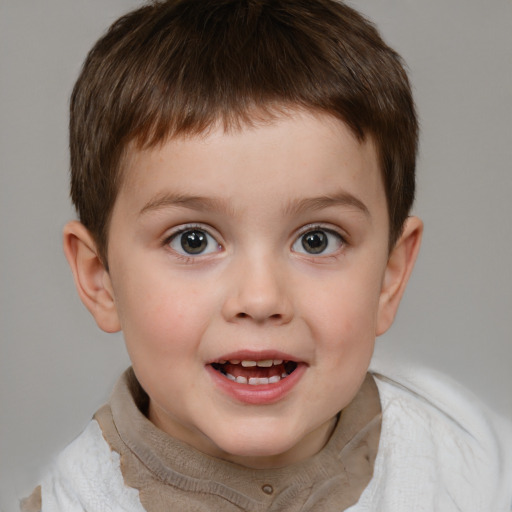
[276, 316]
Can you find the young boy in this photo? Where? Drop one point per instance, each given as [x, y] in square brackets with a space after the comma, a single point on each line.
[243, 172]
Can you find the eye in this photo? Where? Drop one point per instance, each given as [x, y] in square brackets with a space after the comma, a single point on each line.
[193, 242]
[318, 241]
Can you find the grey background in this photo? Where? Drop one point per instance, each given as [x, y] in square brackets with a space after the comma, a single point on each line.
[56, 367]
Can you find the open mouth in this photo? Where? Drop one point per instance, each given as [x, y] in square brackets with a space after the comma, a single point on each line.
[255, 373]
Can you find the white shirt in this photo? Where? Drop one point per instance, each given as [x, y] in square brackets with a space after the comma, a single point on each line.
[439, 451]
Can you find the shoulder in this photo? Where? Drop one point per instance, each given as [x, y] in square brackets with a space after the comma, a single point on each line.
[417, 391]
[439, 440]
[87, 476]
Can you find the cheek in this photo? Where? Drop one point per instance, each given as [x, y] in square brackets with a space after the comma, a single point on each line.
[342, 315]
[163, 316]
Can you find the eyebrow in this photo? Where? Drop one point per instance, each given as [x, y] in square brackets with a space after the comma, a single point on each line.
[341, 198]
[171, 200]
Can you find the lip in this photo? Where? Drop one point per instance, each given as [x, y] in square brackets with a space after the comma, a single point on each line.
[253, 355]
[265, 394]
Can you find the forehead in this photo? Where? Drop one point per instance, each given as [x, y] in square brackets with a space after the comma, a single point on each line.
[285, 158]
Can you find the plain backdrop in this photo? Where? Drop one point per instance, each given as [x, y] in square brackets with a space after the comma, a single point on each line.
[57, 368]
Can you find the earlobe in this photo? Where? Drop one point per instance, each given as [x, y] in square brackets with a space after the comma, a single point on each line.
[91, 278]
[398, 270]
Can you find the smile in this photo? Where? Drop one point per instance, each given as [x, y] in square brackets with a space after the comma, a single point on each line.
[256, 378]
[255, 372]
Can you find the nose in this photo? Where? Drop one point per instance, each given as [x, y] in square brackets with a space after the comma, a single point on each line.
[259, 291]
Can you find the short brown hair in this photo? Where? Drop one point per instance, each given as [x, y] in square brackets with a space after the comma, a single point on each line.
[179, 66]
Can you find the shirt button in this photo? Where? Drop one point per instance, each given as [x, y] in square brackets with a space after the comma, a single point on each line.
[267, 489]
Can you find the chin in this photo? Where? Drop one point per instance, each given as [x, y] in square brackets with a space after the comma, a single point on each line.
[261, 449]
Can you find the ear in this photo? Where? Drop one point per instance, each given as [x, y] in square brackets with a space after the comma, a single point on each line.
[398, 269]
[92, 280]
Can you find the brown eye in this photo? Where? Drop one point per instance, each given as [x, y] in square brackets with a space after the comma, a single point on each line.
[314, 242]
[318, 242]
[194, 242]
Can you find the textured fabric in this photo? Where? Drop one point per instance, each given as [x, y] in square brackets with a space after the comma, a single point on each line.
[439, 451]
[87, 478]
[168, 471]
[33, 502]
[91, 474]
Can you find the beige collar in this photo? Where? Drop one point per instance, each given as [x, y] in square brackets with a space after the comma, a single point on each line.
[341, 470]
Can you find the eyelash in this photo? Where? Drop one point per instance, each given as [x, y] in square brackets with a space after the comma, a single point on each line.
[184, 229]
[312, 228]
[324, 229]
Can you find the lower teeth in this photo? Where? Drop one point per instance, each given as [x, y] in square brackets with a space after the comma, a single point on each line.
[255, 381]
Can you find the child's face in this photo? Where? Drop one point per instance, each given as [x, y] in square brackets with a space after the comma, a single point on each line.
[265, 244]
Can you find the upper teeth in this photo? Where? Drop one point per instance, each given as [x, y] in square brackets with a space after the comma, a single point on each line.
[254, 381]
[266, 363]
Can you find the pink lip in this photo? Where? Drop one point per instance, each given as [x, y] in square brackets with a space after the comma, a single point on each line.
[265, 394]
[249, 355]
